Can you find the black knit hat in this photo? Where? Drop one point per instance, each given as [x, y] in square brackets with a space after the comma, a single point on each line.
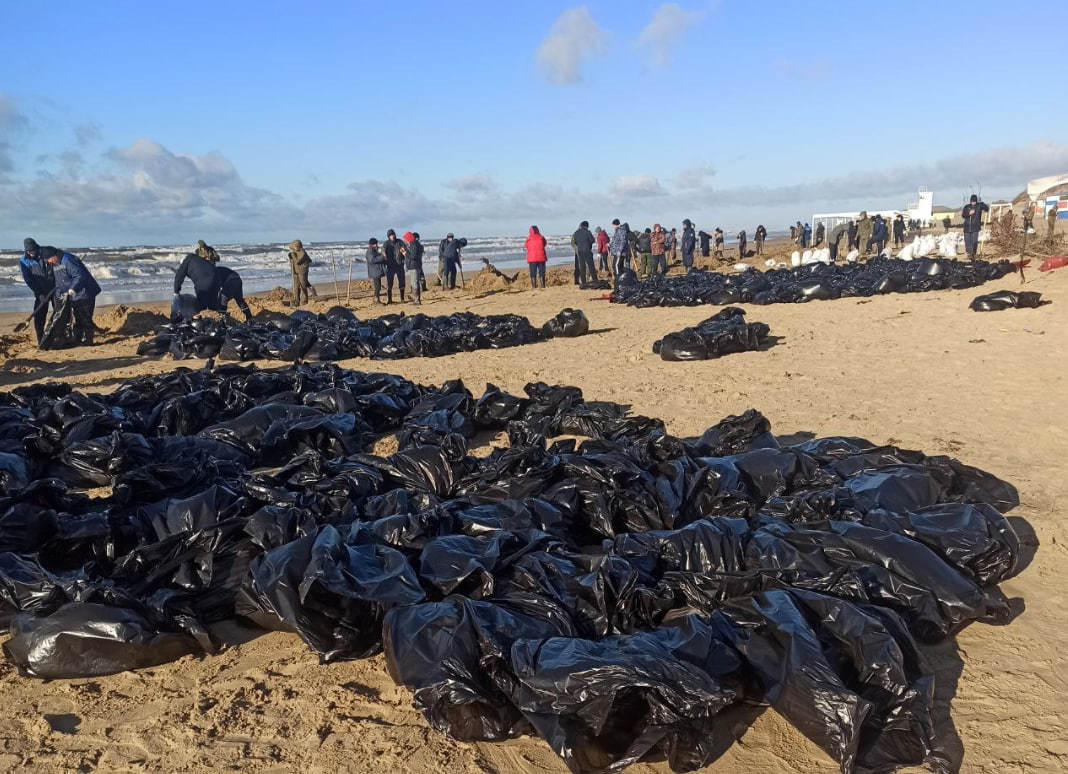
[29, 244]
[584, 224]
[372, 241]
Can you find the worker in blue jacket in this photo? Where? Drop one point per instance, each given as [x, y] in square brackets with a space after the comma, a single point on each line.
[76, 284]
[37, 274]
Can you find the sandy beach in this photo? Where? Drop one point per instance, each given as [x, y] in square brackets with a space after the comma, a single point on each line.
[921, 371]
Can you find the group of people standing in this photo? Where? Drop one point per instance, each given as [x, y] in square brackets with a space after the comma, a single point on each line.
[400, 261]
[646, 252]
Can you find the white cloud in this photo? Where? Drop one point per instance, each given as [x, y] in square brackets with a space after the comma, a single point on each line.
[472, 185]
[639, 186]
[695, 176]
[11, 122]
[668, 24]
[574, 37]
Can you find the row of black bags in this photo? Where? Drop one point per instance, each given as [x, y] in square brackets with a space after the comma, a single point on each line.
[631, 596]
[338, 334]
[724, 333]
[814, 282]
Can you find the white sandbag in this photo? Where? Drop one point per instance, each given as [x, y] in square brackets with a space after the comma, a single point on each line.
[853, 255]
[806, 258]
[741, 266]
[795, 259]
[770, 262]
[906, 253]
[823, 255]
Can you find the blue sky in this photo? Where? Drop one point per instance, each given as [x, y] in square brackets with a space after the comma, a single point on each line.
[165, 122]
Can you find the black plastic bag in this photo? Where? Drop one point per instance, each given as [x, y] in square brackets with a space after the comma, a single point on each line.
[1006, 299]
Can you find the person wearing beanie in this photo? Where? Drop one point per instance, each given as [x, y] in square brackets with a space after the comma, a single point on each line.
[973, 221]
[657, 250]
[38, 276]
[759, 236]
[582, 241]
[205, 279]
[449, 260]
[299, 264]
[396, 252]
[618, 247]
[77, 285]
[376, 267]
[688, 244]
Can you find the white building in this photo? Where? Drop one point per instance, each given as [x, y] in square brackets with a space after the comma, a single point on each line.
[920, 210]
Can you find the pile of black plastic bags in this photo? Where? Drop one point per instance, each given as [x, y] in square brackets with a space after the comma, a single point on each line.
[630, 595]
[724, 333]
[814, 282]
[338, 334]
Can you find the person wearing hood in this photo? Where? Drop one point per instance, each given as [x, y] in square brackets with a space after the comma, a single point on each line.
[206, 251]
[602, 250]
[658, 250]
[821, 232]
[741, 245]
[376, 267]
[583, 242]
[879, 234]
[619, 247]
[688, 243]
[205, 279]
[864, 230]
[852, 244]
[899, 230]
[535, 245]
[806, 238]
[413, 264]
[299, 263]
[645, 250]
[836, 236]
[396, 253]
[77, 284]
[759, 236]
[973, 221]
[230, 288]
[38, 276]
[449, 260]
[706, 238]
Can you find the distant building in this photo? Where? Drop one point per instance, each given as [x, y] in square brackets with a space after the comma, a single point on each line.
[1046, 193]
[922, 210]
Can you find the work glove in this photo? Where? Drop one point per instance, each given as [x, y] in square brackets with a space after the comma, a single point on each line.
[70, 293]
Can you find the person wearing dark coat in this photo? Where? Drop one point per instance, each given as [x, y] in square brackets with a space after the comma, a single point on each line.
[717, 243]
[899, 230]
[687, 244]
[394, 249]
[205, 278]
[413, 264]
[820, 234]
[376, 267]
[38, 276]
[449, 256]
[973, 221]
[231, 289]
[760, 235]
[806, 235]
[75, 282]
[852, 231]
[879, 234]
[705, 239]
[583, 241]
[741, 245]
[835, 238]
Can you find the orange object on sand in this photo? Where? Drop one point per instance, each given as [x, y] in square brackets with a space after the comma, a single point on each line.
[1054, 262]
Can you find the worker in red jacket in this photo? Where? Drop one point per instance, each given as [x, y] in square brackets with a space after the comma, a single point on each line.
[602, 250]
[535, 245]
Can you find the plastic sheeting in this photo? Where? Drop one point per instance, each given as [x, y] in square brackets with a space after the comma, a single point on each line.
[721, 334]
[625, 595]
[338, 334]
[808, 282]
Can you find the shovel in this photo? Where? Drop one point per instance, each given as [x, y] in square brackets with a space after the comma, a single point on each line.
[23, 325]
